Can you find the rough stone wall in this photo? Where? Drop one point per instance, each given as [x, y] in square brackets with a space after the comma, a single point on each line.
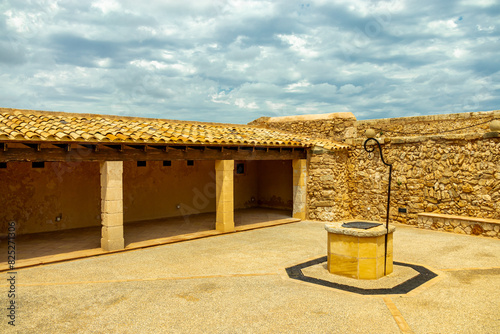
[430, 125]
[457, 175]
[327, 188]
[344, 126]
[441, 164]
[460, 225]
[337, 127]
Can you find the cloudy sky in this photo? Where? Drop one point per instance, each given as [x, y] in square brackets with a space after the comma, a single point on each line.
[234, 61]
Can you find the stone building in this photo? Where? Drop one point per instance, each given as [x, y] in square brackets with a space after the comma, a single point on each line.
[446, 169]
[63, 171]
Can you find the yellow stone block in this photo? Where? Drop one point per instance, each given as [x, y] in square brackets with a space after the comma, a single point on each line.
[343, 265]
[299, 215]
[111, 194]
[112, 219]
[344, 245]
[372, 247]
[299, 188]
[224, 221]
[112, 232]
[390, 238]
[358, 253]
[224, 206]
[226, 165]
[298, 164]
[113, 244]
[224, 189]
[112, 206]
[390, 264]
[368, 269]
[111, 183]
[111, 171]
[224, 176]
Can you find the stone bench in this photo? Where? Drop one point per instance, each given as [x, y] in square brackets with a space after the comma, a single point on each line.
[459, 224]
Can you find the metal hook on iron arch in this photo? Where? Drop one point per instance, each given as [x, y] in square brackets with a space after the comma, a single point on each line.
[373, 149]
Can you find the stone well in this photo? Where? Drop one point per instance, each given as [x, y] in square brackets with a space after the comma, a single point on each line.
[359, 253]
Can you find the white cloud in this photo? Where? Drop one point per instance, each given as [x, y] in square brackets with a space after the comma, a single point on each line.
[298, 86]
[241, 103]
[300, 44]
[237, 60]
[443, 27]
[350, 89]
[479, 3]
[106, 6]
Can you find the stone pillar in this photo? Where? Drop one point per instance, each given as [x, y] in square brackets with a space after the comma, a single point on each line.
[299, 188]
[224, 170]
[112, 205]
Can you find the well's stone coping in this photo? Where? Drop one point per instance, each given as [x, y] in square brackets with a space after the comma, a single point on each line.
[336, 227]
[464, 218]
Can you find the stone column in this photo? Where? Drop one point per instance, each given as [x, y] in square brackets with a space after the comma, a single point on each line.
[224, 170]
[299, 188]
[112, 205]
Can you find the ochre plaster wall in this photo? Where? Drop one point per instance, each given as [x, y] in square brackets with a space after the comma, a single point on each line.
[275, 184]
[268, 182]
[154, 191]
[34, 197]
[246, 186]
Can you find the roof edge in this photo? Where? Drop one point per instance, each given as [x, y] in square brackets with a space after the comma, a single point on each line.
[130, 118]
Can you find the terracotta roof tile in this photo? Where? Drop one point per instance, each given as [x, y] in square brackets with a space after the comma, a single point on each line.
[25, 125]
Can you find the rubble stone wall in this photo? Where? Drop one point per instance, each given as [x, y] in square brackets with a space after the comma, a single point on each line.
[455, 173]
[328, 196]
[328, 126]
[460, 224]
[344, 126]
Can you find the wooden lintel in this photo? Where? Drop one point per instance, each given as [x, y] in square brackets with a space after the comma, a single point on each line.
[91, 152]
[36, 147]
[213, 148]
[66, 147]
[118, 147]
[143, 148]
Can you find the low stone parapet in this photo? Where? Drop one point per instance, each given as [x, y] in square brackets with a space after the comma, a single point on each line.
[459, 224]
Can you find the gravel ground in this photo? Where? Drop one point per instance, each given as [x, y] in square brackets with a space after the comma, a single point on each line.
[235, 284]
